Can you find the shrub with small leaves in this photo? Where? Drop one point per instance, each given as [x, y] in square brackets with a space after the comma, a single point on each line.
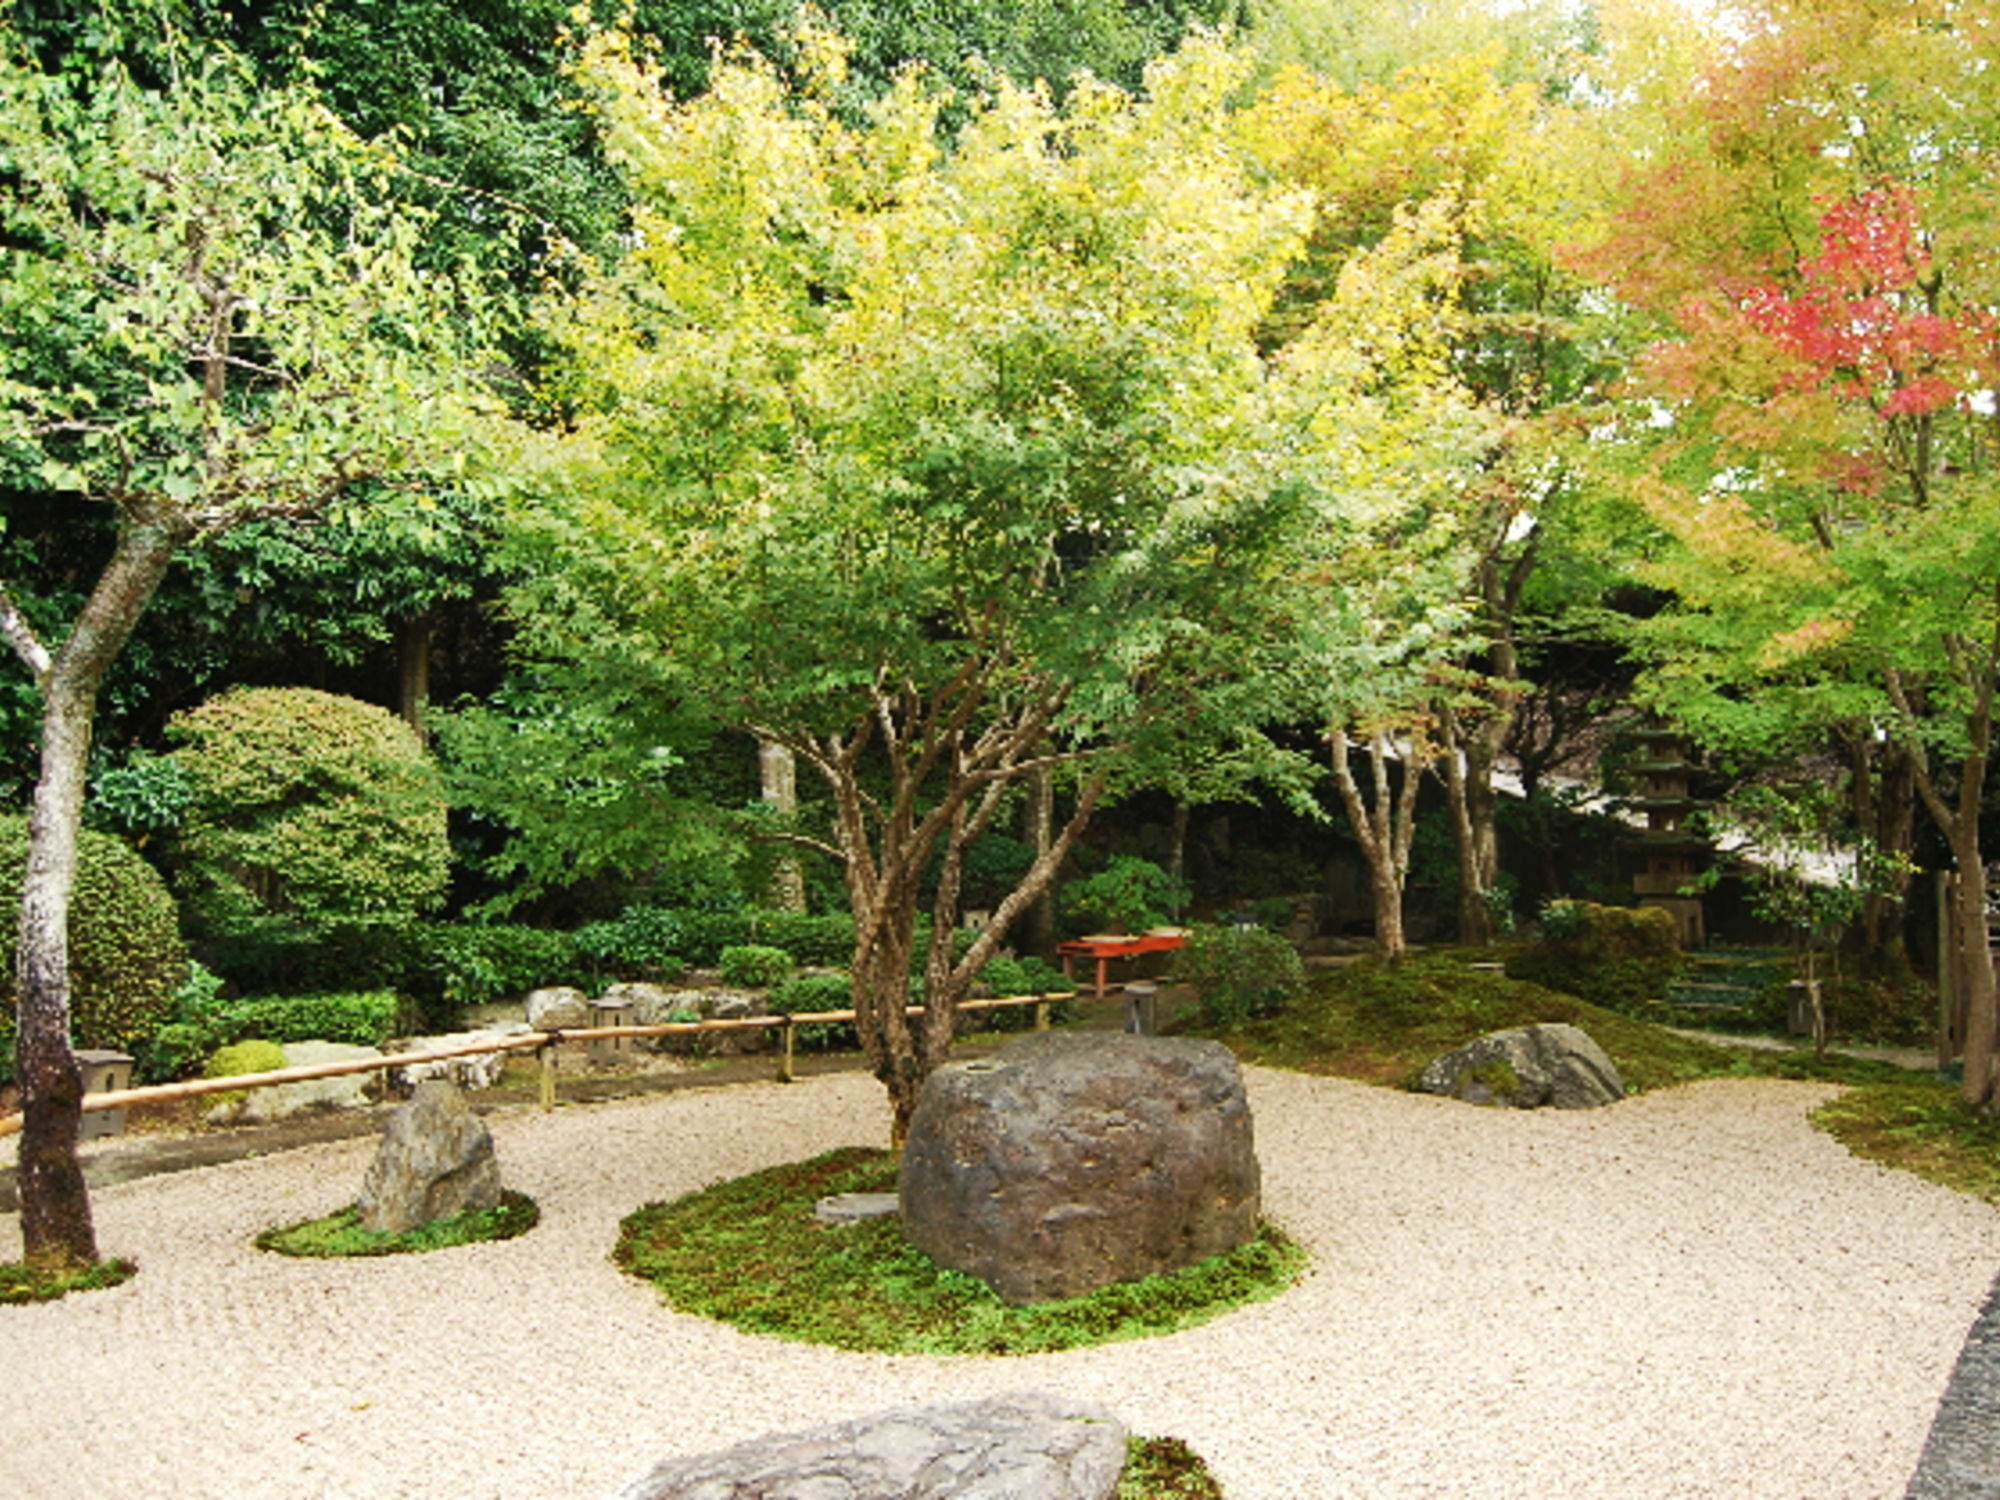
[307, 812]
[757, 965]
[1620, 957]
[126, 957]
[816, 994]
[1238, 972]
[810, 937]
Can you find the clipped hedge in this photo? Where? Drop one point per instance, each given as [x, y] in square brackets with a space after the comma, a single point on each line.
[126, 957]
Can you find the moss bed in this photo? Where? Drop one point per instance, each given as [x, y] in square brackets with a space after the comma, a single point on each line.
[749, 1252]
[340, 1235]
[25, 1283]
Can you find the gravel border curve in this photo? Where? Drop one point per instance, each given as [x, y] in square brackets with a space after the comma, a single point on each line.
[1689, 1294]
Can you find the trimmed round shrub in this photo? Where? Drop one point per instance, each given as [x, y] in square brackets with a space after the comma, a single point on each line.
[307, 813]
[237, 1060]
[1238, 972]
[126, 958]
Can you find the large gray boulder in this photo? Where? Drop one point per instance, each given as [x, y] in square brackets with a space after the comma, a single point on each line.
[436, 1160]
[1526, 1068]
[1003, 1448]
[1071, 1161]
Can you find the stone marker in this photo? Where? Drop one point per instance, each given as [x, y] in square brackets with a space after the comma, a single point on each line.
[1071, 1161]
[1027, 1446]
[1528, 1067]
[436, 1160]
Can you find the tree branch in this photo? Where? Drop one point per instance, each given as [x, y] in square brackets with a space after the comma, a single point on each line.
[21, 636]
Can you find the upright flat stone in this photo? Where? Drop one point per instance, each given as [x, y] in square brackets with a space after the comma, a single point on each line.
[1072, 1161]
[1028, 1446]
[1527, 1067]
[436, 1160]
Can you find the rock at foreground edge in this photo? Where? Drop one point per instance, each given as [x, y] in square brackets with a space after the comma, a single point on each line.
[1526, 1068]
[1001, 1448]
[1069, 1162]
[436, 1160]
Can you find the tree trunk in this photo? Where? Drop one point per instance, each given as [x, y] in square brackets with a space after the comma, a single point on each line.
[1177, 856]
[1475, 915]
[778, 775]
[414, 638]
[1038, 820]
[1384, 826]
[56, 1227]
[1976, 973]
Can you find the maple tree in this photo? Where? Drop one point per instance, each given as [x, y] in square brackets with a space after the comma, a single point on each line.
[1814, 432]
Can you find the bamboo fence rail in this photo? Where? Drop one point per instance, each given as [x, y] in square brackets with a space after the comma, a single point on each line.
[543, 1043]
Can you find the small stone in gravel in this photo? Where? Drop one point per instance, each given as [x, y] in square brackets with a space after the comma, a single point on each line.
[847, 1208]
[1025, 1444]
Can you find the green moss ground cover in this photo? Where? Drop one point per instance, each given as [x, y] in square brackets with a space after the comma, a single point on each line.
[1165, 1469]
[1921, 1126]
[339, 1235]
[25, 1283]
[749, 1252]
[1382, 1023]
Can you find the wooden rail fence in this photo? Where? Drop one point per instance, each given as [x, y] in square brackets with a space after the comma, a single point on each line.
[544, 1043]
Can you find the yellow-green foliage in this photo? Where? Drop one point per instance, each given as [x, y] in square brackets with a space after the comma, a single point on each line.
[309, 810]
[239, 1059]
[126, 958]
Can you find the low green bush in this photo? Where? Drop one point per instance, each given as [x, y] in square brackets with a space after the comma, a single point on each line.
[1128, 894]
[126, 958]
[812, 994]
[701, 934]
[810, 937]
[1620, 957]
[466, 963]
[1007, 977]
[1238, 973]
[758, 965]
[365, 1019]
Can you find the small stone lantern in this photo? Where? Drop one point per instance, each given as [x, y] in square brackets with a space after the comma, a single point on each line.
[606, 1051]
[1142, 1009]
[104, 1072]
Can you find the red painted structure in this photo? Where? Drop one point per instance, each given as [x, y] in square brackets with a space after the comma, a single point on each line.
[1105, 946]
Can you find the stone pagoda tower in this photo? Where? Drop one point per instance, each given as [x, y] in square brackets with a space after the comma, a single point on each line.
[1673, 854]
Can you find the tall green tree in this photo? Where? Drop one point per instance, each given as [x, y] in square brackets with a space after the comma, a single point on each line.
[1815, 434]
[219, 315]
[938, 470]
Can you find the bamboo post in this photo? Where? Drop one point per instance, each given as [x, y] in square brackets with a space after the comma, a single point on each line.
[546, 1053]
[785, 1073]
[1042, 1013]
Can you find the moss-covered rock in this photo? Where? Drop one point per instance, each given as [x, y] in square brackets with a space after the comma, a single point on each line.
[237, 1060]
[126, 957]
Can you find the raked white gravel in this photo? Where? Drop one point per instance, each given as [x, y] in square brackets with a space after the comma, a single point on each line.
[1692, 1293]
